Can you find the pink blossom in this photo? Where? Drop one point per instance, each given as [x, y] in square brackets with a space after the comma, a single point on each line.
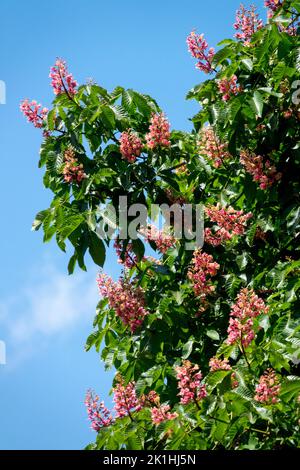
[162, 413]
[159, 132]
[125, 298]
[247, 23]
[203, 268]
[130, 259]
[73, 171]
[125, 398]
[219, 364]
[274, 5]
[98, 414]
[130, 146]
[152, 397]
[61, 80]
[212, 148]
[241, 323]
[189, 383]
[198, 48]
[163, 241]
[262, 172]
[268, 388]
[34, 112]
[229, 87]
[229, 221]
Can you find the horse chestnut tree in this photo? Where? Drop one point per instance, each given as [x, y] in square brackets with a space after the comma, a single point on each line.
[205, 342]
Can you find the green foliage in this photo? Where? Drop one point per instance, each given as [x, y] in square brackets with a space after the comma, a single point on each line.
[266, 258]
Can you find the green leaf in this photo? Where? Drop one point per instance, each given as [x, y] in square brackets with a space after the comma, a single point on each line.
[108, 117]
[213, 334]
[290, 389]
[96, 249]
[257, 103]
[187, 349]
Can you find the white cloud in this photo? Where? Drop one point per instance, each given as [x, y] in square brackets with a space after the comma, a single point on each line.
[49, 303]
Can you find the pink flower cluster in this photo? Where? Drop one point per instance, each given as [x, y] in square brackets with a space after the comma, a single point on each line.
[268, 388]
[241, 323]
[262, 172]
[291, 29]
[159, 132]
[247, 23]
[162, 413]
[61, 80]
[198, 48]
[274, 5]
[34, 112]
[159, 413]
[125, 398]
[189, 383]
[229, 88]
[130, 146]
[130, 258]
[98, 414]
[229, 221]
[211, 147]
[73, 171]
[126, 299]
[203, 268]
[162, 240]
[219, 364]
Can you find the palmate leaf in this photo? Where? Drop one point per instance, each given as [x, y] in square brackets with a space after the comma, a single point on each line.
[54, 162]
[244, 393]
[127, 101]
[70, 224]
[290, 389]
[213, 379]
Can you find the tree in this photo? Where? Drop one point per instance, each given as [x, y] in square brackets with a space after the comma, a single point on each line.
[206, 343]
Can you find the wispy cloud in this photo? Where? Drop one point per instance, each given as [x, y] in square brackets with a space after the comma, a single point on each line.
[49, 303]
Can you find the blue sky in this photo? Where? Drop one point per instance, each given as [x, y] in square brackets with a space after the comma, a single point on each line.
[45, 316]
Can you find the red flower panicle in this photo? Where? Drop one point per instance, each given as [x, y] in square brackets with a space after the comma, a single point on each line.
[73, 171]
[125, 298]
[229, 221]
[219, 364]
[130, 259]
[198, 48]
[98, 414]
[211, 148]
[203, 269]
[162, 413]
[274, 5]
[125, 398]
[262, 172]
[243, 313]
[189, 383]
[247, 23]
[61, 80]
[159, 132]
[34, 112]
[162, 240]
[268, 388]
[130, 146]
[229, 88]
